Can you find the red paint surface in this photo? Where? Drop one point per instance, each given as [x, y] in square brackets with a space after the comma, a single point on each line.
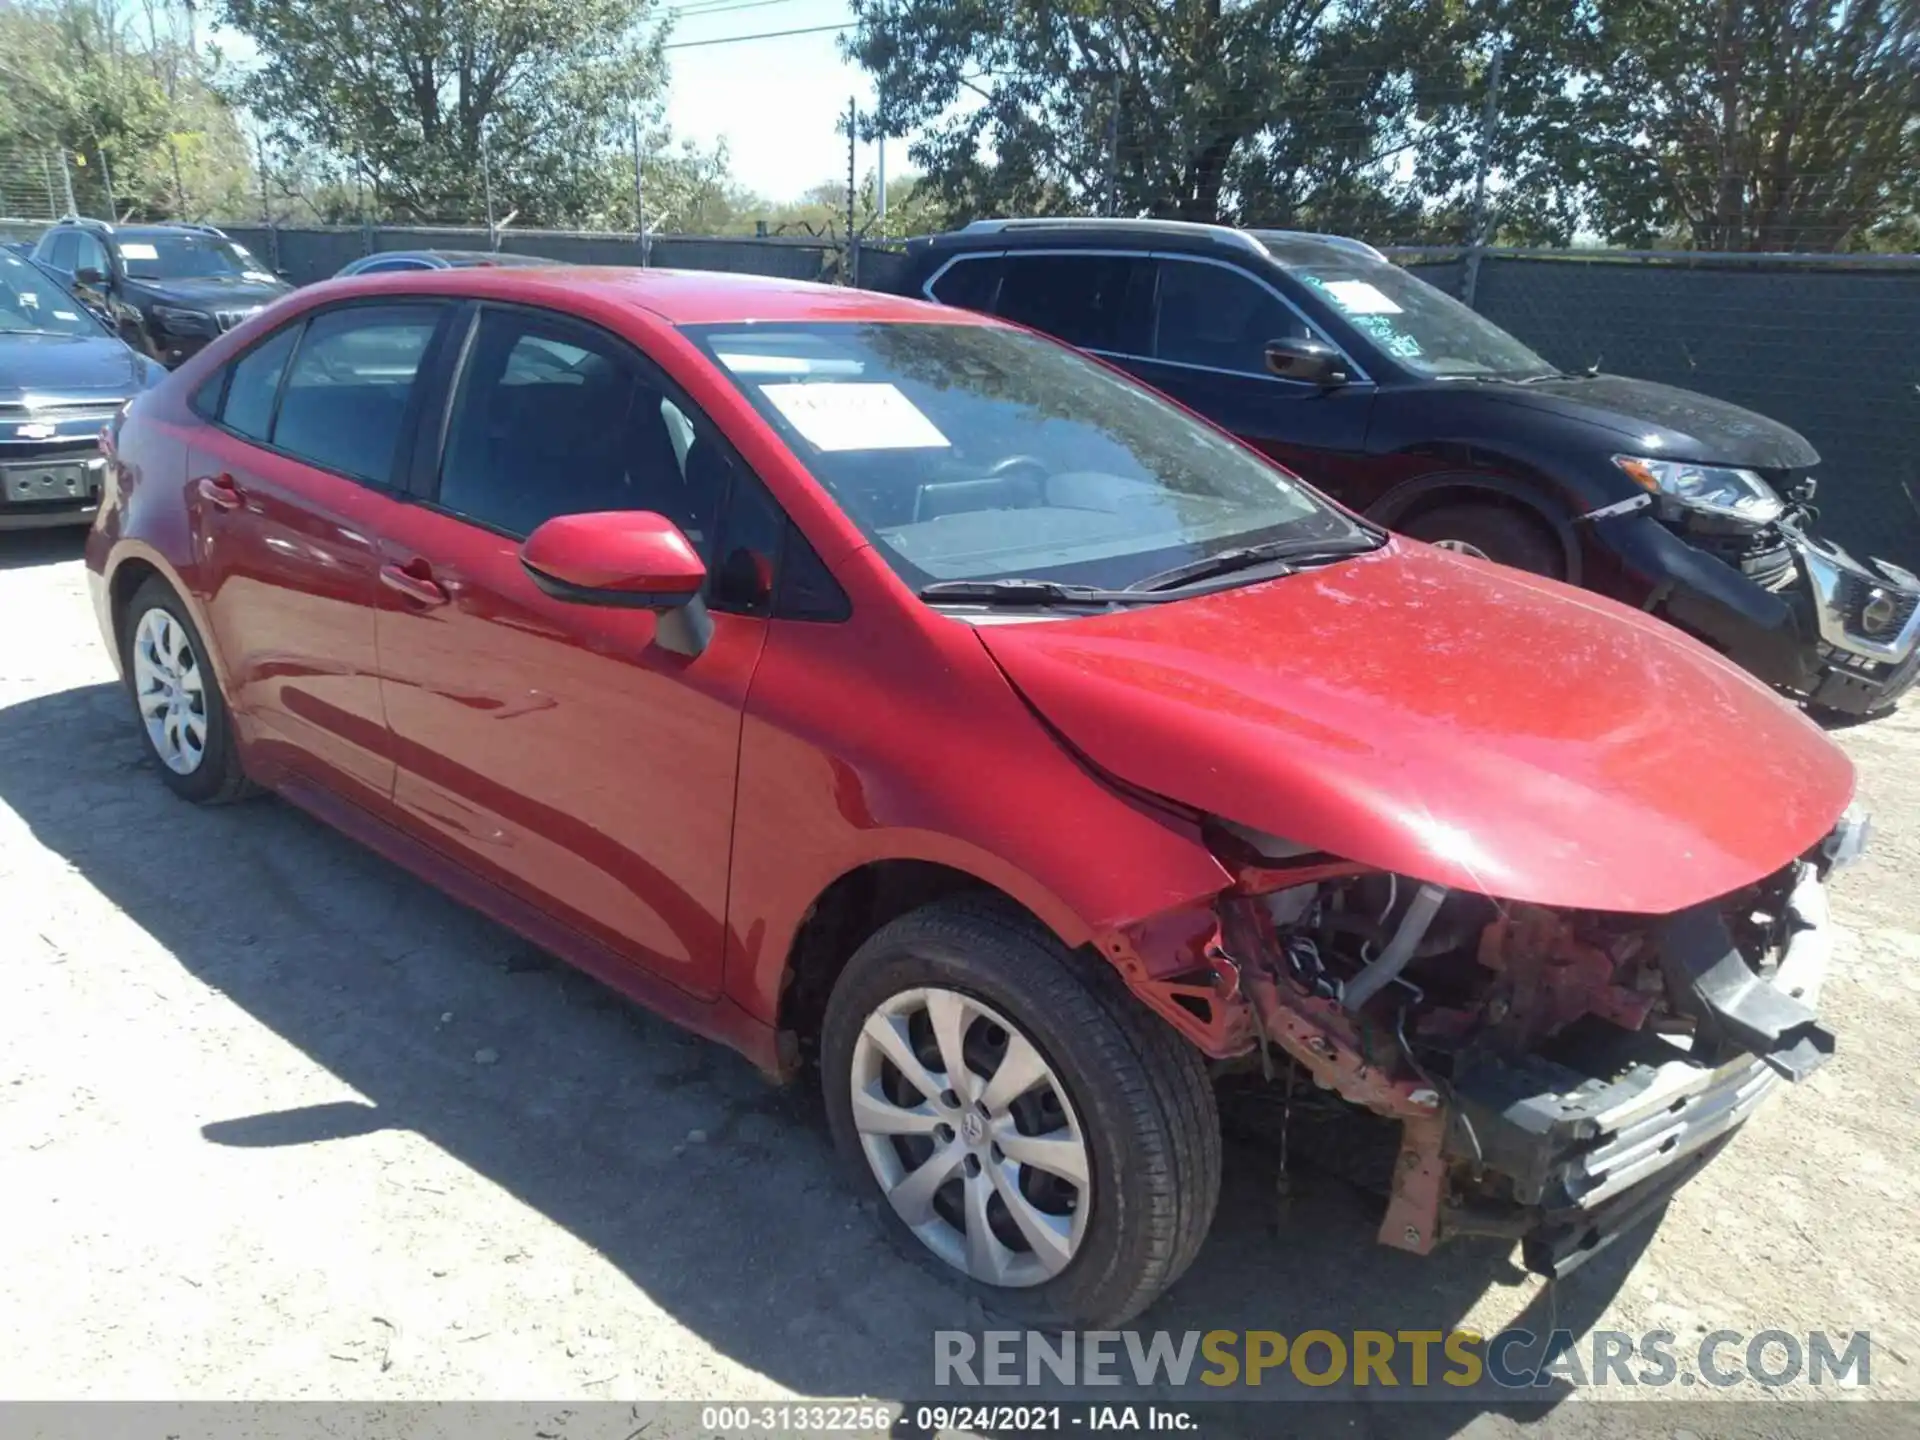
[668, 822]
[1452, 720]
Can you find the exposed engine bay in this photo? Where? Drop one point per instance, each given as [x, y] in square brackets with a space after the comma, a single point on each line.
[1556, 1075]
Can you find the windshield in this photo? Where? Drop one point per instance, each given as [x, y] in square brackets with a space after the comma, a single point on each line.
[1423, 328]
[32, 302]
[187, 256]
[972, 452]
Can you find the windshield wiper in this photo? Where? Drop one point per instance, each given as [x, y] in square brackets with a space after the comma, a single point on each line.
[1032, 592]
[1245, 557]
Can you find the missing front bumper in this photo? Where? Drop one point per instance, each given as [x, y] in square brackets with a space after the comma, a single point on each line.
[1589, 1143]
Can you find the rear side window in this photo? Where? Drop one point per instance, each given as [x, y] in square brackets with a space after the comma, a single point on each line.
[256, 380]
[1098, 302]
[344, 404]
[1213, 316]
[969, 284]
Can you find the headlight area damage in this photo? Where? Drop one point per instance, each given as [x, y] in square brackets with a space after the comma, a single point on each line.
[1556, 1074]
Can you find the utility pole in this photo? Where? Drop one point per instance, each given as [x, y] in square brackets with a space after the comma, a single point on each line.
[486, 185]
[1489, 120]
[1110, 201]
[880, 165]
[853, 240]
[639, 193]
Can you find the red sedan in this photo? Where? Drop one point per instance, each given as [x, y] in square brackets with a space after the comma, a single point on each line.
[850, 678]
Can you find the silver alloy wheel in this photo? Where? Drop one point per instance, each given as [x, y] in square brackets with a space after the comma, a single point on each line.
[168, 688]
[972, 1136]
[1461, 547]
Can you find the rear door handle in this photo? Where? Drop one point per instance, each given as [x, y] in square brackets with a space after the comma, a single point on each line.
[421, 589]
[220, 492]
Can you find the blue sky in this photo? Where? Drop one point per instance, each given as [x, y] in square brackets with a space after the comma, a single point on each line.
[775, 101]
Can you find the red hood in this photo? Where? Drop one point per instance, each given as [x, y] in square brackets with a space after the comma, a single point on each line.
[1451, 720]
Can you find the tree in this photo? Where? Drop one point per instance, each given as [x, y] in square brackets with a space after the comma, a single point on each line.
[1752, 124]
[123, 100]
[406, 96]
[1264, 111]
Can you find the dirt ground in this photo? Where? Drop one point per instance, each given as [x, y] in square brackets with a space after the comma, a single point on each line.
[278, 1122]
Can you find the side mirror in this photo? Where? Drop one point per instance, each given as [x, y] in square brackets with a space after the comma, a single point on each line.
[1312, 361]
[631, 559]
[89, 275]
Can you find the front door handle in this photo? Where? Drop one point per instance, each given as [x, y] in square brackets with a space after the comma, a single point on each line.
[219, 491]
[420, 588]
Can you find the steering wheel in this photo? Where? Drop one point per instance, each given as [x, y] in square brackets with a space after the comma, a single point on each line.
[1006, 465]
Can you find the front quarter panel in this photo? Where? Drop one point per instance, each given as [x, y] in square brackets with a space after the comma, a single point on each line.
[894, 736]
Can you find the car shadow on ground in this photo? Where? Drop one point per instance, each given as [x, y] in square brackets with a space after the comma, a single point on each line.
[749, 1237]
[22, 549]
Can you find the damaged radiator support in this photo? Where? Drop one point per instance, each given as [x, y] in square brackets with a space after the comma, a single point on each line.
[1391, 961]
[1562, 1146]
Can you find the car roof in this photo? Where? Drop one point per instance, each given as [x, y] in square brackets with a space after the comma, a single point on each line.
[1285, 246]
[679, 297]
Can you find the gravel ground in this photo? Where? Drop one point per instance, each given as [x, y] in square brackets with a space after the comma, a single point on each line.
[279, 1123]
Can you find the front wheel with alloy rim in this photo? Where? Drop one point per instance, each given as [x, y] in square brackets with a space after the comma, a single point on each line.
[183, 717]
[1034, 1134]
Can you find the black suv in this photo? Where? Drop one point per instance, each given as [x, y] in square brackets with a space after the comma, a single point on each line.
[169, 289]
[1410, 407]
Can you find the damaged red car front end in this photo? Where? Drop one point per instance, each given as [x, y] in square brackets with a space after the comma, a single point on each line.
[1563, 919]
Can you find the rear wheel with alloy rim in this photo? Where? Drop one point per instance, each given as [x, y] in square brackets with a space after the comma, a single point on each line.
[183, 717]
[1033, 1133]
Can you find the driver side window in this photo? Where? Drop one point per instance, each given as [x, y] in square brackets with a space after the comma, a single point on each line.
[1216, 317]
[91, 255]
[552, 418]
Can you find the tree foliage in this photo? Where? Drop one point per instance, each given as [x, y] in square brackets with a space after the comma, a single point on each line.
[1752, 124]
[403, 98]
[1739, 124]
[116, 98]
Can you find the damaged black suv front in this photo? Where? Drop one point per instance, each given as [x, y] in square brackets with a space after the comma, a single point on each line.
[1731, 553]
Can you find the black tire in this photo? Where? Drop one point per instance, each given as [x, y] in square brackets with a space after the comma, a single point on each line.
[218, 779]
[1140, 1092]
[1496, 532]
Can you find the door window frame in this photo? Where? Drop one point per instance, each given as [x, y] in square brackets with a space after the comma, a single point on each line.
[434, 423]
[395, 483]
[1314, 329]
[1156, 258]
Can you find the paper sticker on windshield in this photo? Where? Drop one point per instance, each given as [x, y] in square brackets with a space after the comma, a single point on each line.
[137, 250]
[855, 417]
[65, 315]
[1357, 297]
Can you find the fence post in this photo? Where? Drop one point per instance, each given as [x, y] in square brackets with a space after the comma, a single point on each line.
[106, 180]
[66, 181]
[266, 212]
[46, 173]
[1489, 120]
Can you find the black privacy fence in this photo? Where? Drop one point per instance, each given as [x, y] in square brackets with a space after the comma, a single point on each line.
[1828, 344]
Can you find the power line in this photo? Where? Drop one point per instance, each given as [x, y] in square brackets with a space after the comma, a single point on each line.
[762, 35]
[695, 9]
